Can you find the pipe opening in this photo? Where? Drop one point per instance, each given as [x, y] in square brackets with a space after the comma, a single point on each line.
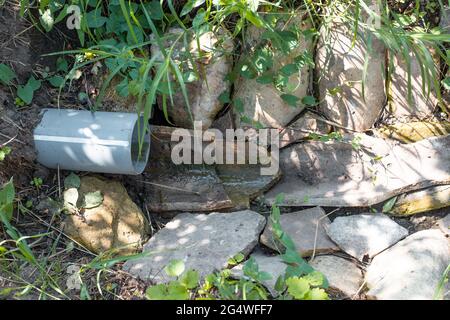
[139, 161]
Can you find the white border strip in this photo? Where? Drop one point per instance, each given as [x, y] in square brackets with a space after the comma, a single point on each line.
[82, 140]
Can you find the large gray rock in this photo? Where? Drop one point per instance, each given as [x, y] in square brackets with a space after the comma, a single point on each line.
[411, 269]
[301, 227]
[262, 102]
[270, 264]
[117, 223]
[421, 104]
[341, 274]
[212, 67]
[365, 235]
[203, 242]
[338, 174]
[339, 71]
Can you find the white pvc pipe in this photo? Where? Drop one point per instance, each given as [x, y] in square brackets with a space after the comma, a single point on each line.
[85, 141]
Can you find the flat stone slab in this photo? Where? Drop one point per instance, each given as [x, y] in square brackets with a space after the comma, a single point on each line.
[336, 174]
[365, 235]
[270, 264]
[413, 131]
[244, 182]
[117, 223]
[341, 274]
[301, 227]
[422, 201]
[411, 269]
[444, 225]
[204, 242]
[169, 187]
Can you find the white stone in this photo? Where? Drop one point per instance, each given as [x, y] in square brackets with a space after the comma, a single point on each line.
[411, 269]
[205, 242]
[365, 235]
[301, 227]
[341, 274]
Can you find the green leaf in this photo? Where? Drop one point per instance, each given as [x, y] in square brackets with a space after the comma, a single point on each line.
[6, 74]
[175, 268]
[92, 199]
[238, 105]
[191, 4]
[290, 99]
[280, 284]
[190, 279]
[297, 287]
[158, 292]
[317, 294]
[84, 292]
[33, 83]
[247, 72]
[265, 78]
[4, 152]
[25, 93]
[388, 205]
[224, 97]
[47, 20]
[83, 97]
[315, 278]
[7, 193]
[177, 291]
[72, 181]
[199, 19]
[56, 81]
[289, 69]
[189, 76]
[62, 65]
[154, 10]
[122, 88]
[309, 101]
[94, 19]
[238, 258]
[71, 198]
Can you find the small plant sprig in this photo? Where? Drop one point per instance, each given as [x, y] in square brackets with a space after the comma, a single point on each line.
[17, 250]
[37, 182]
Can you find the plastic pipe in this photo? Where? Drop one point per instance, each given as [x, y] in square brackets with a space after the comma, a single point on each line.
[85, 141]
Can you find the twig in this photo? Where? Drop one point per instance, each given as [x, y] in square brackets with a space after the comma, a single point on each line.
[8, 142]
[14, 138]
[317, 231]
[168, 187]
[59, 183]
[45, 223]
[359, 290]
